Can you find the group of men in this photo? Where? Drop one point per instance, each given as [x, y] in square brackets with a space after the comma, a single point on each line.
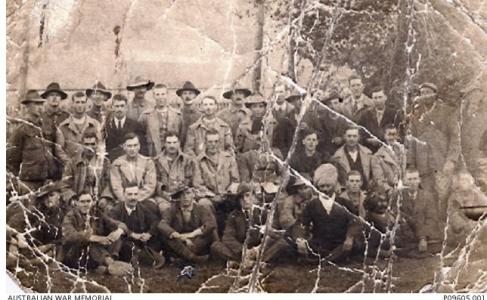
[142, 181]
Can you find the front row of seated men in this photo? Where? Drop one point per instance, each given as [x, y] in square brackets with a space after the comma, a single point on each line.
[323, 223]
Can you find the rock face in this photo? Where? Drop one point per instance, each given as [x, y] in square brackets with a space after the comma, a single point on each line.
[397, 44]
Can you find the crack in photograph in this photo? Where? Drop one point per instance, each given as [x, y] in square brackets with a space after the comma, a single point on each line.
[246, 146]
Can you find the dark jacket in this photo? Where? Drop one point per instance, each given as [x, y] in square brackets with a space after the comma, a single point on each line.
[308, 164]
[201, 217]
[236, 229]
[141, 220]
[368, 119]
[327, 230]
[114, 137]
[28, 155]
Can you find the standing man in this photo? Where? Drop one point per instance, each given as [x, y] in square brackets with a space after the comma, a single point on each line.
[118, 125]
[353, 156]
[98, 96]
[159, 121]
[376, 117]
[357, 100]
[28, 153]
[389, 160]
[237, 111]
[195, 139]
[52, 117]
[133, 168]
[139, 103]
[71, 131]
[189, 112]
[281, 108]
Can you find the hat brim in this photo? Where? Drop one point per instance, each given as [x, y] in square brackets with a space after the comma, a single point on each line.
[25, 101]
[180, 91]
[293, 98]
[228, 94]
[62, 93]
[89, 92]
[249, 104]
[148, 84]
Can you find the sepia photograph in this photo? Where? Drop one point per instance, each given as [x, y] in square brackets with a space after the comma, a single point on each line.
[246, 146]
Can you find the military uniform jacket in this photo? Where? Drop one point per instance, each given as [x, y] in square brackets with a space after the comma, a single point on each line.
[237, 226]
[69, 137]
[28, 155]
[341, 162]
[171, 175]
[201, 217]
[216, 175]
[386, 167]
[150, 120]
[142, 172]
[195, 140]
[233, 116]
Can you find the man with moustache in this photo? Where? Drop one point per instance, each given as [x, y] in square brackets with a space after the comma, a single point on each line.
[29, 157]
[237, 111]
[190, 112]
[98, 95]
[52, 117]
[141, 242]
[139, 103]
[195, 139]
[71, 131]
[160, 120]
[118, 125]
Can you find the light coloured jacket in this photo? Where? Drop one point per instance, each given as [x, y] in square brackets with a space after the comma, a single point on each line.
[195, 140]
[216, 176]
[340, 160]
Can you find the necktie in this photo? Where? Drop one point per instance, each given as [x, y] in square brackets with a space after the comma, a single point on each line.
[119, 125]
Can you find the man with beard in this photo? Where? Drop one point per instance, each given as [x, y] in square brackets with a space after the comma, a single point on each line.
[52, 117]
[195, 140]
[375, 118]
[89, 171]
[327, 222]
[357, 101]
[118, 126]
[237, 111]
[160, 120]
[139, 103]
[71, 131]
[174, 169]
[353, 156]
[90, 239]
[141, 243]
[190, 112]
[188, 228]
[134, 168]
[98, 95]
[28, 154]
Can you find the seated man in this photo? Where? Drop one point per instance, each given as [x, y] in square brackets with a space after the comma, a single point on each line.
[174, 169]
[188, 228]
[89, 171]
[326, 221]
[90, 239]
[306, 159]
[37, 225]
[216, 171]
[141, 243]
[132, 167]
[239, 228]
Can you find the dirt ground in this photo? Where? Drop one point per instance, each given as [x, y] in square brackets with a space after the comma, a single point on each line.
[408, 275]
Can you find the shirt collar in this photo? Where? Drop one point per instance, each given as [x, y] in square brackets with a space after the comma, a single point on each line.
[327, 203]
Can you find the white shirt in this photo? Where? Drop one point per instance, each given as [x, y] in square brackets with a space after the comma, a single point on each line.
[119, 122]
[129, 210]
[353, 155]
[327, 203]
[380, 115]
